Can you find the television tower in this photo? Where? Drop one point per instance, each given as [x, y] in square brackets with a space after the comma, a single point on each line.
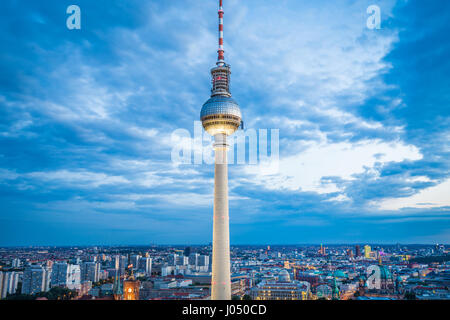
[221, 117]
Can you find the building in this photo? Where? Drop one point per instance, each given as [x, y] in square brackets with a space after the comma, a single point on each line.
[267, 290]
[120, 263]
[15, 263]
[357, 250]
[66, 275]
[203, 261]
[117, 288]
[90, 271]
[367, 251]
[47, 278]
[34, 280]
[134, 260]
[73, 277]
[8, 283]
[194, 259]
[182, 260]
[322, 250]
[172, 259]
[221, 117]
[145, 265]
[59, 274]
[131, 289]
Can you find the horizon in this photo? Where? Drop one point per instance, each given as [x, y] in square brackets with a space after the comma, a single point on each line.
[231, 245]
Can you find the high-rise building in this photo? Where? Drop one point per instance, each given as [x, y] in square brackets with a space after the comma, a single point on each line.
[59, 274]
[74, 277]
[90, 271]
[367, 251]
[15, 263]
[221, 117]
[47, 278]
[66, 275]
[135, 260]
[34, 280]
[183, 260]
[121, 263]
[203, 261]
[8, 283]
[193, 259]
[2, 275]
[145, 264]
[357, 251]
[172, 259]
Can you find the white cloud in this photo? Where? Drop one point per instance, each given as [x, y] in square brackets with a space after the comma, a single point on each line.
[436, 196]
[80, 178]
[306, 169]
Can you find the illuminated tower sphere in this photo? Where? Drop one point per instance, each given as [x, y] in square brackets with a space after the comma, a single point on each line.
[220, 117]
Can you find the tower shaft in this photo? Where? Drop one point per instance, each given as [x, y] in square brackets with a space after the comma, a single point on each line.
[221, 280]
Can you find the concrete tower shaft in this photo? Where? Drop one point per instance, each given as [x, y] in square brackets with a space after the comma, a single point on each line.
[221, 279]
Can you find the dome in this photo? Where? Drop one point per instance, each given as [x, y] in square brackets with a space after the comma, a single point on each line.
[385, 273]
[340, 274]
[221, 114]
[284, 276]
[220, 105]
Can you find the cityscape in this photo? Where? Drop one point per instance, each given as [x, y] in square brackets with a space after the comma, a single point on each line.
[272, 272]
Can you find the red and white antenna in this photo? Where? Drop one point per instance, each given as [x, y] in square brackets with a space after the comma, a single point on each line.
[220, 51]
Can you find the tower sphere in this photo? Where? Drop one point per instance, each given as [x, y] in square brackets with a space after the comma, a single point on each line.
[220, 114]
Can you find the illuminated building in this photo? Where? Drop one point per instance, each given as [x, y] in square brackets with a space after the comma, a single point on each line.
[221, 117]
[295, 290]
[131, 289]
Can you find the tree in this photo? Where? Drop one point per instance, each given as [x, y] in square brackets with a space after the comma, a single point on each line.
[410, 295]
[246, 297]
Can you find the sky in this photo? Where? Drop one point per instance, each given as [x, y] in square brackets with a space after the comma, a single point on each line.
[87, 117]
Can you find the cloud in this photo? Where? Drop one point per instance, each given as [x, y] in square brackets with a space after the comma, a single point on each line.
[84, 179]
[86, 120]
[436, 196]
[307, 170]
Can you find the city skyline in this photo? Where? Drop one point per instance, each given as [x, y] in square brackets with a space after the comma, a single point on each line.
[87, 119]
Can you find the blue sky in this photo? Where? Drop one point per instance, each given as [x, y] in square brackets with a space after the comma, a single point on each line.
[86, 118]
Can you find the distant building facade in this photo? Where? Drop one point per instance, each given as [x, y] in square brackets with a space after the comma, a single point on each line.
[35, 279]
